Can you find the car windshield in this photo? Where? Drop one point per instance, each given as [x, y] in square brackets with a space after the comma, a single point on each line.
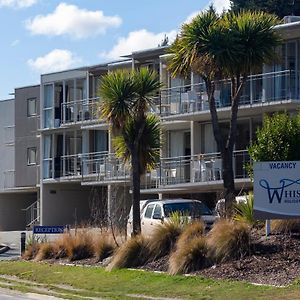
[193, 209]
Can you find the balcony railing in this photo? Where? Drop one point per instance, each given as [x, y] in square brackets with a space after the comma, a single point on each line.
[197, 168]
[85, 110]
[91, 167]
[260, 88]
[102, 166]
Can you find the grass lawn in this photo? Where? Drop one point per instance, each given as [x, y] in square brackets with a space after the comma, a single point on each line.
[93, 282]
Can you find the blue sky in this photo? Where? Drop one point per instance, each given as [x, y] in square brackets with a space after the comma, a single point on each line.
[41, 36]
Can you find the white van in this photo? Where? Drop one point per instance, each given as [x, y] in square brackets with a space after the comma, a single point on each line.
[155, 212]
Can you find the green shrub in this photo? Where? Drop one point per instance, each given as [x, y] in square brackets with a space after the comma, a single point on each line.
[134, 252]
[285, 225]
[228, 240]
[243, 211]
[189, 256]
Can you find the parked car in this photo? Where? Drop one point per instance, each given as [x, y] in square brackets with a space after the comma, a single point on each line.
[154, 212]
[220, 206]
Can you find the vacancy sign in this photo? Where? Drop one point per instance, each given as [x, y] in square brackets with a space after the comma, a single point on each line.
[276, 190]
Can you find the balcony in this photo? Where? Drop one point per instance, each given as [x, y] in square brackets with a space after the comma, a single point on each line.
[259, 89]
[81, 111]
[103, 167]
[96, 167]
[199, 168]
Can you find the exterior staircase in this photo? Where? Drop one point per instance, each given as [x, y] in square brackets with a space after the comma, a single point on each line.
[32, 215]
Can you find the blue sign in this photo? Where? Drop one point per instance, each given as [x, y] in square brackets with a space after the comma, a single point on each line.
[48, 229]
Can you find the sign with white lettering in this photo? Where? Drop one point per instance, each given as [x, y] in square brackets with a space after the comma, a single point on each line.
[48, 229]
[276, 190]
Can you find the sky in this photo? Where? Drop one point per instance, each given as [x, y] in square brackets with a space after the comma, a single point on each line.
[43, 36]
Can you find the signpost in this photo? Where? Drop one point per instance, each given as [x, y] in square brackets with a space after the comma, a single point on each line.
[276, 190]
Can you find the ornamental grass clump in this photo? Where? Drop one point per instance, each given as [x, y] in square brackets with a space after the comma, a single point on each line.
[228, 240]
[103, 246]
[165, 235]
[81, 246]
[191, 231]
[62, 245]
[189, 256]
[46, 250]
[287, 226]
[133, 253]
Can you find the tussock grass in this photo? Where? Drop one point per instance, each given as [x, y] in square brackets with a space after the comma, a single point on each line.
[30, 251]
[81, 246]
[191, 231]
[189, 256]
[134, 252]
[228, 240]
[46, 251]
[164, 238]
[103, 246]
[285, 225]
[75, 247]
[62, 245]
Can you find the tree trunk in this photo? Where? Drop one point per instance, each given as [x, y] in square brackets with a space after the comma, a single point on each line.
[228, 180]
[136, 184]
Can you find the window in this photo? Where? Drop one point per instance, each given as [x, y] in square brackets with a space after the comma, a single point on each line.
[149, 210]
[31, 156]
[157, 212]
[31, 107]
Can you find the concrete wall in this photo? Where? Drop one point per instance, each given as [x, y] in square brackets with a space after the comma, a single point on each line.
[25, 136]
[7, 147]
[63, 204]
[12, 217]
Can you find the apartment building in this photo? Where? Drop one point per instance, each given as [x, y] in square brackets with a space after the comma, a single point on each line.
[76, 177]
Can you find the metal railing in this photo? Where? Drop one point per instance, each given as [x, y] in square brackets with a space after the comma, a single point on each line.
[103, 166]
[191, 169]
[259, 88]
[32, 214]
[84, 110]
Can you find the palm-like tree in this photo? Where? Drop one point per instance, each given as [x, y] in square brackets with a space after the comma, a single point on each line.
[126, 102]
[230, 46]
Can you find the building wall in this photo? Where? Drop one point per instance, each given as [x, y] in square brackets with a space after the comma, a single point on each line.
[7, 147]
[64, 204]
[12, 215]
[26, 136]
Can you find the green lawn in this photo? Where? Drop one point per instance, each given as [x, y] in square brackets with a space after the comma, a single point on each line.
[86, 282]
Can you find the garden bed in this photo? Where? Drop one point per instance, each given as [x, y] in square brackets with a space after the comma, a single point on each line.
[273, 261]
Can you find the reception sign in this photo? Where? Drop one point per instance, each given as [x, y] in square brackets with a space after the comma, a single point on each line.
[276, 190]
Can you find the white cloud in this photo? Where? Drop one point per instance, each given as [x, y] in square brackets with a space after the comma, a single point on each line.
[17, 3]
[137, 40]
[56, 60]
[15, 43]
[70, 20]
[219, 5]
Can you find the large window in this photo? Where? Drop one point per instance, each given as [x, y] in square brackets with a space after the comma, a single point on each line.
[31, 107]
[31, 156]
[48, 106]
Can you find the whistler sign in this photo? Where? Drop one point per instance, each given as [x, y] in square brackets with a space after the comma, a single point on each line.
[277, 190]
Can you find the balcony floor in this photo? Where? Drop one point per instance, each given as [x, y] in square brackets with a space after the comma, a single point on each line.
[197, 187]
